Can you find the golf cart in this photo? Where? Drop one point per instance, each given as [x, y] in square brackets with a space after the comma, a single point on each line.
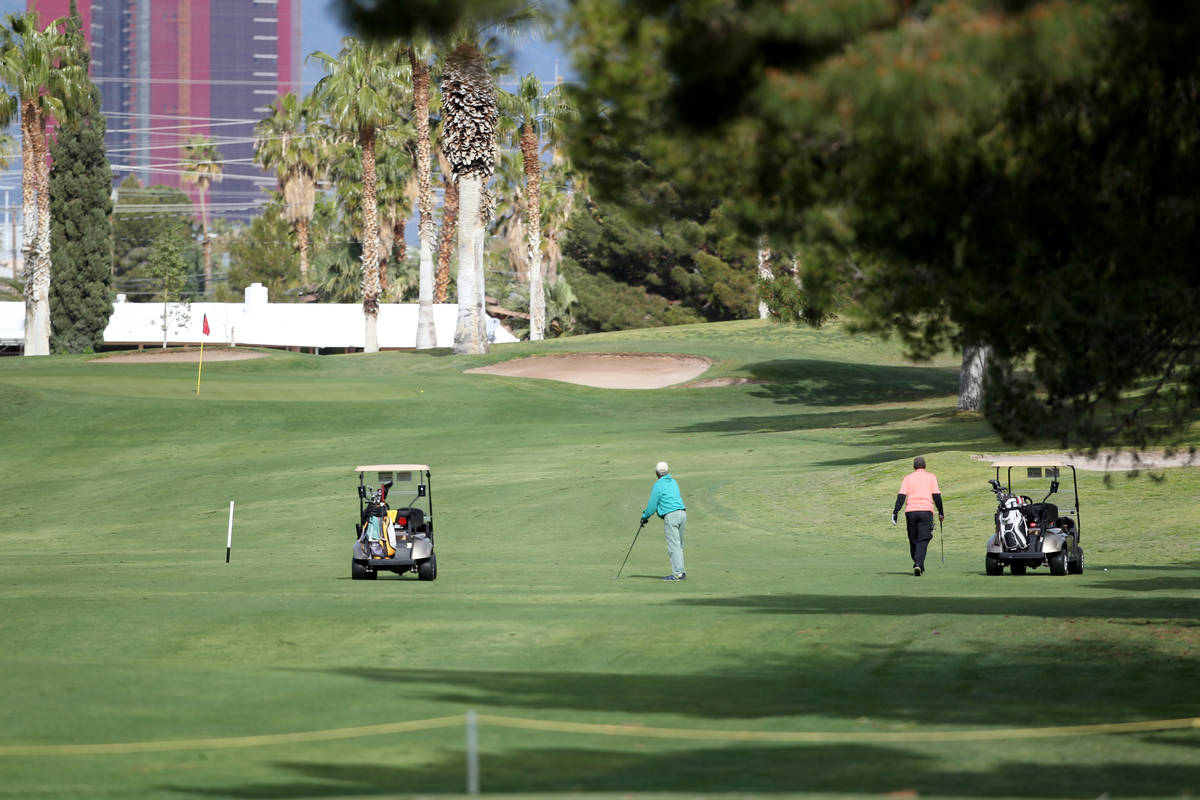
[1030, 534]
[396, 539]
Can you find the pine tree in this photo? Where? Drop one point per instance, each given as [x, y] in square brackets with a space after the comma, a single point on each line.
[80, 227]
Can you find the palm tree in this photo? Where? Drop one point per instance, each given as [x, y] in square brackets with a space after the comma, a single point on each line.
[358, 93]
[202, 167]
[525, 106]
[288, 143]
[559, 185]
[469, 142]
[38, 66]
[531, 109]
[511, 210]
[419, 63]
[393, 173]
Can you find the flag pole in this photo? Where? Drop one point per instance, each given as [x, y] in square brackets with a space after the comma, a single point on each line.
[201, 367]
[204, 330]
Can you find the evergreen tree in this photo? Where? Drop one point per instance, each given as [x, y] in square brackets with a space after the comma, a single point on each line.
[167, 269]
[687, 254]
[138, 224]
[1012, 174]
[262, 252]
[80, 228]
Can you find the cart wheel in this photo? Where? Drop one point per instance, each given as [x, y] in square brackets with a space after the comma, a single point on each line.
[427, 570]
[1075, 565]
[359, 572]
[992, 566]
[1057, 562]
[1017, 567]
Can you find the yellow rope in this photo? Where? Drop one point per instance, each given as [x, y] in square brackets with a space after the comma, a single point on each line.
[839, 736]
[594, 729]
[229, 742]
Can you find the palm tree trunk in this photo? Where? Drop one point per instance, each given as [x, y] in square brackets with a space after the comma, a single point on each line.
[467, 337]
[302, 244]
[206, 245]
[29, 211]
[426, 330]
[764, 272]
[486, 207]
[533, 206]
[41, 269]
[387, 245]
[370, 245]
[400, 248]
[970, 379]
[446, 246]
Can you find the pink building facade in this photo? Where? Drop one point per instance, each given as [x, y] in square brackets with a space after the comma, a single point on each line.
[169, 70]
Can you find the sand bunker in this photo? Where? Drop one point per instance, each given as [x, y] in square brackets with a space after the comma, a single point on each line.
[605, 370]
[178, 355]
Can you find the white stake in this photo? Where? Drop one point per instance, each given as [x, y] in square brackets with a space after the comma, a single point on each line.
[472, 753]
[229, 537]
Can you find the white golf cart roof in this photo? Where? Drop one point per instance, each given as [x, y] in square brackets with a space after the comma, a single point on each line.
[1039, 461]
[393, 468]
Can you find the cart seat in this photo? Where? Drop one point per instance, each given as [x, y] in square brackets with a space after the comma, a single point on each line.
[411, 519]
[1040, 514]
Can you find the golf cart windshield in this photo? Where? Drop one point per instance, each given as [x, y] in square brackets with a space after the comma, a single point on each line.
[399, 484]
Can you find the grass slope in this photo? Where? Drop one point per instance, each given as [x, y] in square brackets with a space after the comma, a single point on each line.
[122, 623]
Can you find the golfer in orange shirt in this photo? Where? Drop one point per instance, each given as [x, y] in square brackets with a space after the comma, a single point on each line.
[919, 493]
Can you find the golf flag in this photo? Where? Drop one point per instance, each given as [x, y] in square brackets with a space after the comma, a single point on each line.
[200, 369]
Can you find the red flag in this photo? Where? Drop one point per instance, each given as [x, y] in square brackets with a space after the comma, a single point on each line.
[206, 324]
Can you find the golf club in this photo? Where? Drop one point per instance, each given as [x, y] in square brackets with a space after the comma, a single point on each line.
[942, 539]
[641, 525]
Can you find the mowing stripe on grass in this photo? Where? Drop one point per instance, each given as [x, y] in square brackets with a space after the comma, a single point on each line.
[594, 729]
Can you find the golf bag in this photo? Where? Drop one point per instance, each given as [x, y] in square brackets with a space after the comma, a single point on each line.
[375, 539]
[1011, 527]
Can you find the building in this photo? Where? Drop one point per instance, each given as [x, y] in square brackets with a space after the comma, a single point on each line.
[169, 70]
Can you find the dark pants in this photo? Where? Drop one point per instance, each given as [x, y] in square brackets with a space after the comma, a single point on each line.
[920, 534]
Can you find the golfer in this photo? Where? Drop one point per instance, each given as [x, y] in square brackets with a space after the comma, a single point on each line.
[666, 501]
[919, 493]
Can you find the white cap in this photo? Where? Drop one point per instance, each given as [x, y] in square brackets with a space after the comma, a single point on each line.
[661, 468]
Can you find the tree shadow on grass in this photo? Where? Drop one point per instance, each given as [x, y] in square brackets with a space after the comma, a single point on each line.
[1160, 584]
[1176, 608]
[893, 684]
[813, 420]
[814, 382]
[831, 769]
[831, 384]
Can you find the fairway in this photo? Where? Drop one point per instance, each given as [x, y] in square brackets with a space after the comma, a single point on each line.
[799, 658]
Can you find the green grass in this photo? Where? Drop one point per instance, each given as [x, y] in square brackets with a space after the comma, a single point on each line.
[122, 623]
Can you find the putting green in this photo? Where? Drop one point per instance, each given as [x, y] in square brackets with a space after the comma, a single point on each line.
[123, 624]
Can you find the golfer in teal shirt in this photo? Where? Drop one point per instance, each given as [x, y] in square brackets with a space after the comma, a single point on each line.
[666, 501]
